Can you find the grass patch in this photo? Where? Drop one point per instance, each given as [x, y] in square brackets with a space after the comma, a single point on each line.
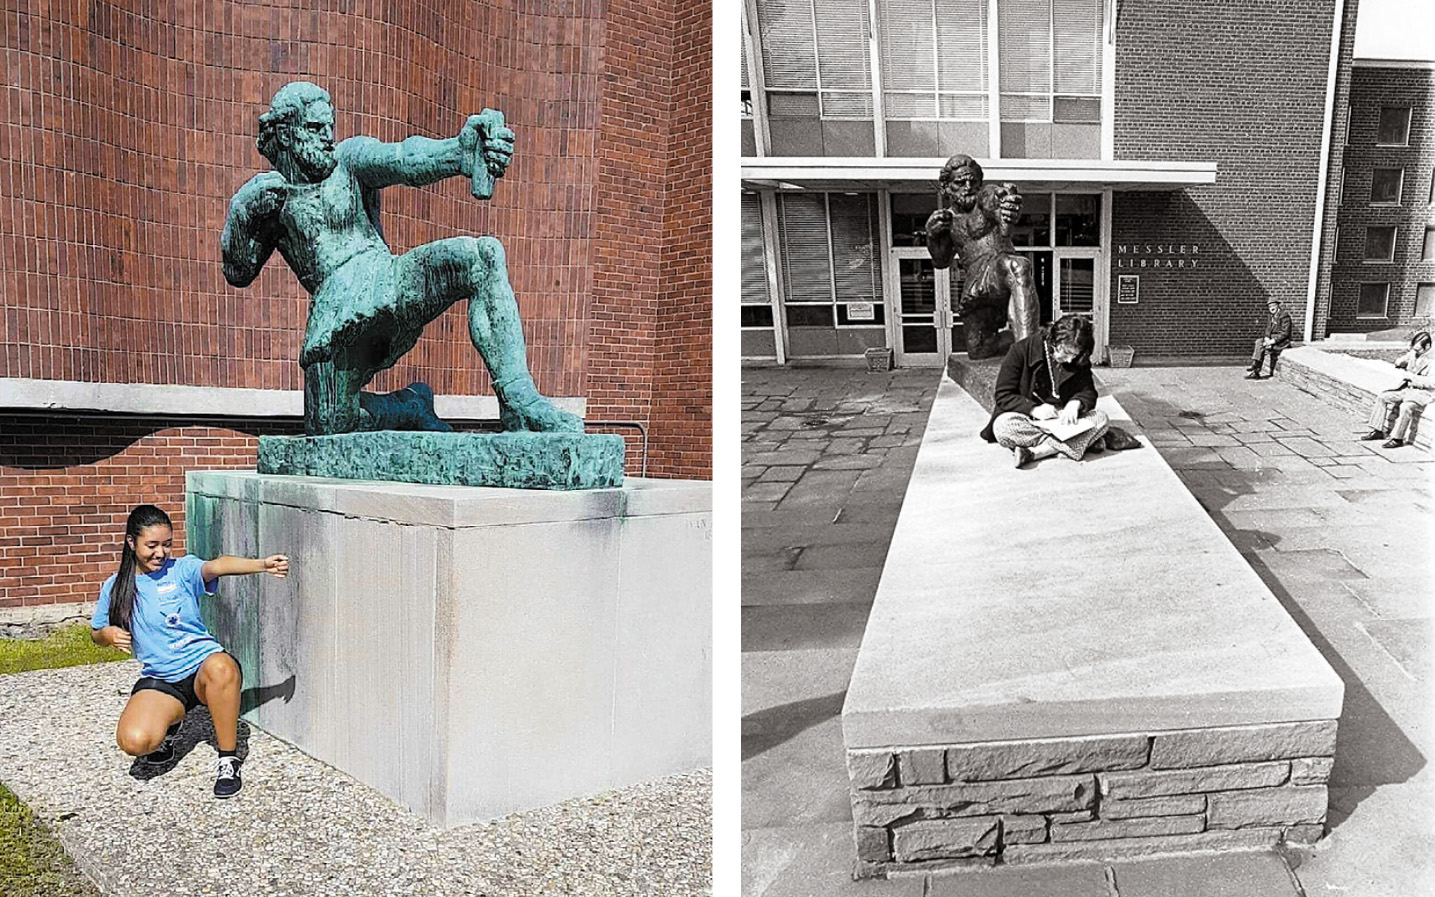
[66, 647]
[32, 862]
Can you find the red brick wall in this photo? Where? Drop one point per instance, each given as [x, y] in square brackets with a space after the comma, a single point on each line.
[67, 483]
[1243, 87]
[122, 138]
[683, 358]
[1372, 88]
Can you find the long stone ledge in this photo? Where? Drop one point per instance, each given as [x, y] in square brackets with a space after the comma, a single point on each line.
[1063, 601]
[1350, 382]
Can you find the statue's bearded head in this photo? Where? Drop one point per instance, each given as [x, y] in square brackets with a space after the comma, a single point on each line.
[296, 135]
[961, 181]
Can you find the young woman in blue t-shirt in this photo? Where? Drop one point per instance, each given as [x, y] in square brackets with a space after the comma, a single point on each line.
[150, 608]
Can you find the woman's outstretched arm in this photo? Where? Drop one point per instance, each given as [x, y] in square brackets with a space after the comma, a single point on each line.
[227, 565]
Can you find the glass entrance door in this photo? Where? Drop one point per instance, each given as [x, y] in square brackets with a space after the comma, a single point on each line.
[1074, 291]
[924, 319]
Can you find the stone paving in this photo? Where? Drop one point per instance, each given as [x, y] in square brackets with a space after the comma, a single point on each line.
[1339, 530]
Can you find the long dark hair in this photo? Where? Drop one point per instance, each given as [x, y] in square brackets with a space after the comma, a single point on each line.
[122, 593]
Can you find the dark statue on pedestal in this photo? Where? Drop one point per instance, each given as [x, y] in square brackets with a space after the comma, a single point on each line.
[320, 209]
[973, 228]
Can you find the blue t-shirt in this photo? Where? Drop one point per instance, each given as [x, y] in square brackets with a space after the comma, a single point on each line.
[166, 632]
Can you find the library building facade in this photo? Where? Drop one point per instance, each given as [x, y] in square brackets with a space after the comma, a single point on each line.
[1180, 165]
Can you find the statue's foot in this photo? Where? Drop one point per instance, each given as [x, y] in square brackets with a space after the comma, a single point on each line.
[410, 408]
[521, 407]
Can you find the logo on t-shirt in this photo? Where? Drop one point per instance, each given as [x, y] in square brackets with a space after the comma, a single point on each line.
[165, 588]
[172, 620]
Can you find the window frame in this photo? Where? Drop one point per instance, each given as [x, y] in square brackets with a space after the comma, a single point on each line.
[1394, 239]
[1379, 120]
[833, 302]
[1399, 186]
[1429, 288]
[1385, 308]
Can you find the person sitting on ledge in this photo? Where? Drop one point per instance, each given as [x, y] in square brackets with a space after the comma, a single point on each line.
[1045, 384]
[1276, 340]
[1400, 405]
[150, 608]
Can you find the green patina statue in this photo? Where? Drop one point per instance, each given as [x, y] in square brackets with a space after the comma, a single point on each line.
[320, 209]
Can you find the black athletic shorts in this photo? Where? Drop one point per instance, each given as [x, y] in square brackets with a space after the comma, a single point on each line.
[183, 690]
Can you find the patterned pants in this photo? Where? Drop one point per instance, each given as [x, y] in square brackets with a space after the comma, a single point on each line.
[1400, 406]
[1013, 429]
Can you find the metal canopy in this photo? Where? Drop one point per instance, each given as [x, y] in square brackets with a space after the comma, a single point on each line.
[919, 175]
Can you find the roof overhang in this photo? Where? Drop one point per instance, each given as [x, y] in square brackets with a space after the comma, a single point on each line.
[920, 175]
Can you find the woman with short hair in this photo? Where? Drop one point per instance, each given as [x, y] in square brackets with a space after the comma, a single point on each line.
[1045, 383]
[1394, 410]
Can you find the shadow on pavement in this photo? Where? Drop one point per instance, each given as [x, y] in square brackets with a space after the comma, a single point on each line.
[1371, 749]
[766, 729]
[198, 727]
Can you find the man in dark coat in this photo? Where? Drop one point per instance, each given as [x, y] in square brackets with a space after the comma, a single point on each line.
[1276, 340]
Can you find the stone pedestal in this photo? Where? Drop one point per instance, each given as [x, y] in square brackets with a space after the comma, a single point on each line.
[470, 652]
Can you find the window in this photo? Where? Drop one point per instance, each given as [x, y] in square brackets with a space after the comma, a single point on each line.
[831, 272]
[1373, 299]
[1425, 300]
[1050, 60]
[817, 70]
[1379, 244]
[1394, 128]
[1385, 185]
[756, 299]
[1427, 251]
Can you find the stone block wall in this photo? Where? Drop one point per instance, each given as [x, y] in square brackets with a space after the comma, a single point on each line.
[1349, 397]
[1090, 798]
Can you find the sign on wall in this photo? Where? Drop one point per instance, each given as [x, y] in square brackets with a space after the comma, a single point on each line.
[1128, 289]
[861, 311]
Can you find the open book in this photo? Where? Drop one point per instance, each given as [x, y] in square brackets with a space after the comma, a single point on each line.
[1065, 431]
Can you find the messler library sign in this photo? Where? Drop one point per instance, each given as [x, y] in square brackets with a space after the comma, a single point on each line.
[1157, 255]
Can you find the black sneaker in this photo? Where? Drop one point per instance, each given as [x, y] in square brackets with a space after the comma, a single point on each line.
[226, 777]
[165, 752]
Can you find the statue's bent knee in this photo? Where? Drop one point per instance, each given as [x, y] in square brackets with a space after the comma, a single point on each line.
[490, 252]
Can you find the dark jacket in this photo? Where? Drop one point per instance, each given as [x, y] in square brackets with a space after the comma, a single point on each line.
[1024, 382]
[1278, 329]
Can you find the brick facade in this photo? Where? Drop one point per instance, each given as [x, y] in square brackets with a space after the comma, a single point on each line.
[1186, 90]
[1371, 88]
[123, 136]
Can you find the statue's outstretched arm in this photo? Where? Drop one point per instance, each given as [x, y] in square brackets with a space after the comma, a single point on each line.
[251, 229]
[417, 161]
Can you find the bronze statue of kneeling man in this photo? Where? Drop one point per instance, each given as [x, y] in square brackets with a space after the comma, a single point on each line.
[320, 208]
[973, 228]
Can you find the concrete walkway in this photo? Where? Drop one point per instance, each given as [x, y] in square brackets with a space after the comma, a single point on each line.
[1339, 530]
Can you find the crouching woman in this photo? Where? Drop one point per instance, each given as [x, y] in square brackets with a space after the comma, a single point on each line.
[150, 608]
[1045, 380]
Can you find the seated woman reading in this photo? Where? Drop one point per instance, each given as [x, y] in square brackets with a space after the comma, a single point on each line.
[1045, 398]
[1394, 411]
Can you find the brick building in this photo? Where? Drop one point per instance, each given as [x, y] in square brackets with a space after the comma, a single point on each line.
[1384, 274]
[1174, 160]
[125, 358]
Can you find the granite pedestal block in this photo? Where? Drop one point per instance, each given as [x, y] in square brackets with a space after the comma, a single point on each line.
[509, 460]
[1070, 662]
[470, 652]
